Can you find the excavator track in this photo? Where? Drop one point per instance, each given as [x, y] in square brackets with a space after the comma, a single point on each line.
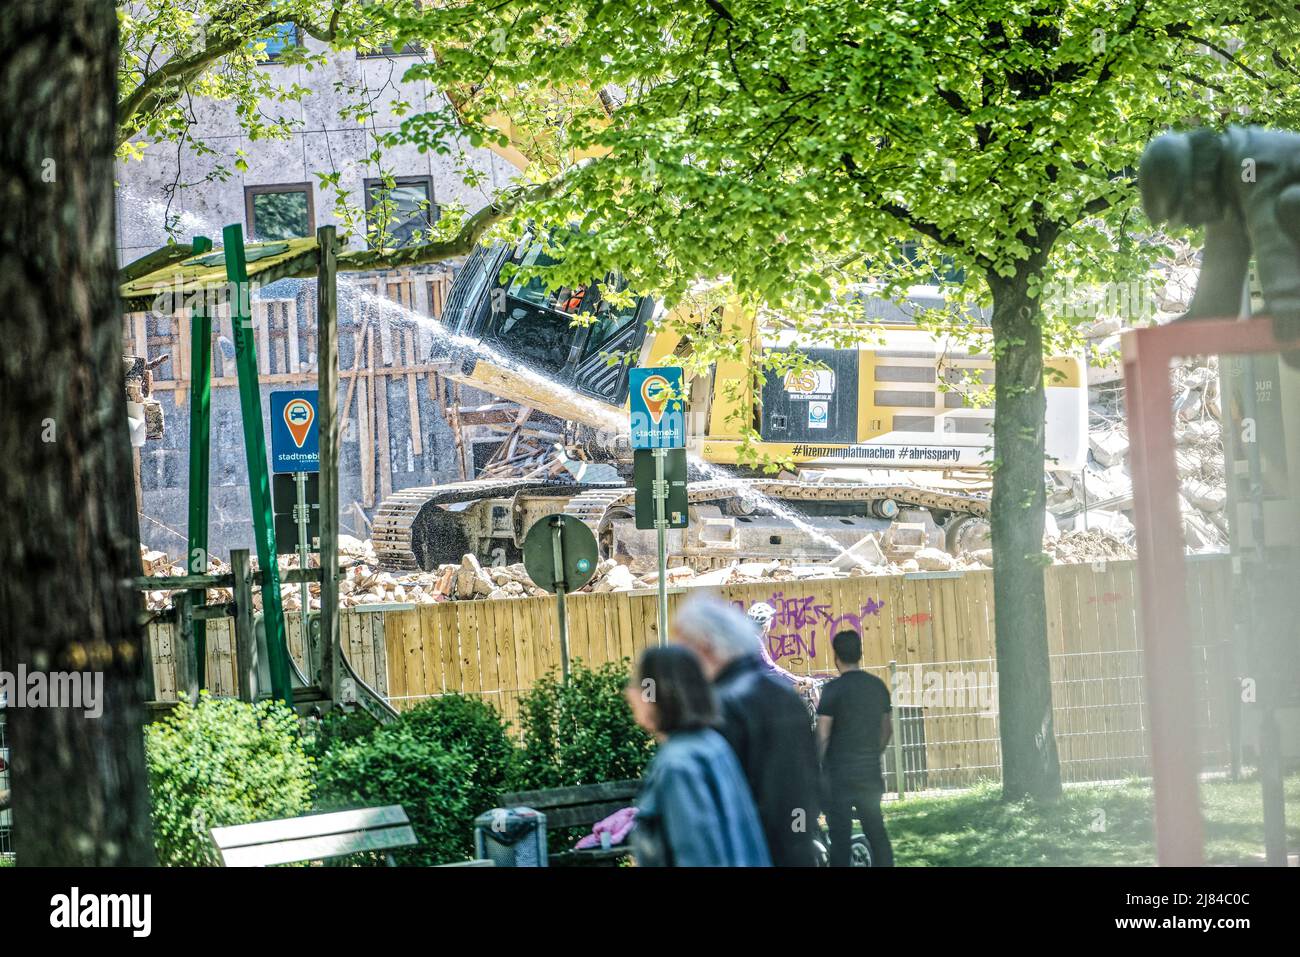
[793, 491]
[394, 528]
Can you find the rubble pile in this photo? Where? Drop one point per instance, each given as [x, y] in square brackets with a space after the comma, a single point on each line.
[1070, 548]
[1105, 486]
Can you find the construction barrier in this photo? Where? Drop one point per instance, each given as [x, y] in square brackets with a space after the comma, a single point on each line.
[937, 629]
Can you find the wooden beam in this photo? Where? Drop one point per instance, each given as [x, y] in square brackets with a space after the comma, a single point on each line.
[412, 392]
[381, 437]
[365, 447]
[495, 414]
[327, 367]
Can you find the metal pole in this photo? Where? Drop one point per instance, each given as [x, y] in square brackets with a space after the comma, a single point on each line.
[557, 558]
[250, 402]
[1259, 584]
[900, 778]
[300, 517]
[1083, 477]
[200, 431]
[660, 492]
[1175, 759]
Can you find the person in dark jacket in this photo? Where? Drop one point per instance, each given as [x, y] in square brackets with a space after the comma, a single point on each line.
[694, 808]
[765, 722]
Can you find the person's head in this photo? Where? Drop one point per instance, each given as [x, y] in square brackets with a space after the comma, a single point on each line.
[669, 693]
[761, 614]
[847, 646]
[715, 631]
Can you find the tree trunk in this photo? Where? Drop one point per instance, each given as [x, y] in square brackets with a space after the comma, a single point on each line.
[1030, 765]
[68, 533]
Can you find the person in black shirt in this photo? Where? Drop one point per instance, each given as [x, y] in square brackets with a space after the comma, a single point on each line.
[853, 727]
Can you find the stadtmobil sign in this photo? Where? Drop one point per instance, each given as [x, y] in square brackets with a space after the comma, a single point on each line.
[658, 417]
[295, 438]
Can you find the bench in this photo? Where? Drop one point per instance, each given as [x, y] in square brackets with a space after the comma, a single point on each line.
[580, 806]
[314, 837]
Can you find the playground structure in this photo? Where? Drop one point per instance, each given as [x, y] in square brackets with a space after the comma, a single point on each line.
[203, 280]
[1266, 572]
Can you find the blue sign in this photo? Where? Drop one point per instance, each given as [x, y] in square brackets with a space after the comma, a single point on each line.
[295, 438]
[658, 412]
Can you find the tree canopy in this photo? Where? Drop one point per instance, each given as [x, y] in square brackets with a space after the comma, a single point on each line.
[784, 146]
[797, 149]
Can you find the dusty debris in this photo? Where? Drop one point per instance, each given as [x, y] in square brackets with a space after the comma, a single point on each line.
[1103, 531]
[1071, 548]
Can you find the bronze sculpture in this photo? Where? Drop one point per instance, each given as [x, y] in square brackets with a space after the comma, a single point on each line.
[1243, 185]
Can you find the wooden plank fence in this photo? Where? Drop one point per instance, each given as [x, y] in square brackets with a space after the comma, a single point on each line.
[937, 628]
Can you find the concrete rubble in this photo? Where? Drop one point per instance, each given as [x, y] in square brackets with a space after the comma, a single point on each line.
[1089, 514]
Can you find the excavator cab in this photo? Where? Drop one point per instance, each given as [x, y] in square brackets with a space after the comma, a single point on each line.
[572, 335]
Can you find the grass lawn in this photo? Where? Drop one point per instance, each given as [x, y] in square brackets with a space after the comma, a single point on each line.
[1091, 826]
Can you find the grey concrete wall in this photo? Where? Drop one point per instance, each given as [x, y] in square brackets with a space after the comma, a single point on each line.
[164, 463]
[174, 186]
[202, 202]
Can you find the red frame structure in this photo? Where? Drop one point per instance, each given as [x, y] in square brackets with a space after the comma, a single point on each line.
[1175, 758]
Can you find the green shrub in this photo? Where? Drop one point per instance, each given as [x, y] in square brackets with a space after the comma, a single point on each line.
[394, 765]
[219, 763]
[338, 727]
[581, 732]
[474, 729]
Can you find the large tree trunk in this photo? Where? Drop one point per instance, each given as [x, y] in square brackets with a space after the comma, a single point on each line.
[1030, 765]
[68, 534]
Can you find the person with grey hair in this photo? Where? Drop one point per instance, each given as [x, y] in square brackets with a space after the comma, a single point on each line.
[765, 722]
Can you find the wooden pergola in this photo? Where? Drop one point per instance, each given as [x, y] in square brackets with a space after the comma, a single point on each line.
[197, 278]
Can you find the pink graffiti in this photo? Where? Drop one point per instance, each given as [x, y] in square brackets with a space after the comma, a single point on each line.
[800, 620]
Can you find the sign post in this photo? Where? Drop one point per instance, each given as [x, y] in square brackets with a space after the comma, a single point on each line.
[658, 424]
[295, 449]
[560, 555]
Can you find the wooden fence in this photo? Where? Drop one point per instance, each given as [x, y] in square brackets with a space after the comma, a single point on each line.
[361, 632]
[937, 628]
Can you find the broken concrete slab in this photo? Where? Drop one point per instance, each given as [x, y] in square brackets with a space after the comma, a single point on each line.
[865, 551]
[1109, 447]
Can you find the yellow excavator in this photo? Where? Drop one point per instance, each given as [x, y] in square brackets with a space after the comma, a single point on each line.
[885, 436]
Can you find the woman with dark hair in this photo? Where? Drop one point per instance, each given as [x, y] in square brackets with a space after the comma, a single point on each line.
[695, 808]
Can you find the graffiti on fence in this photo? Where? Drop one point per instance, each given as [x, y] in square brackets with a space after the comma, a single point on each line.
[801, 619]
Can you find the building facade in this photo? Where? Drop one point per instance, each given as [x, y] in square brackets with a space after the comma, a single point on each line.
[394, 408]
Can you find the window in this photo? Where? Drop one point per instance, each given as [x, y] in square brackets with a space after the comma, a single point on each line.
[283, 36]
[408, 49]
[399, 210]
[279, 212]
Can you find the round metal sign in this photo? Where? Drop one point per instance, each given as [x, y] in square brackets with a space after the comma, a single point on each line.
[576, 547]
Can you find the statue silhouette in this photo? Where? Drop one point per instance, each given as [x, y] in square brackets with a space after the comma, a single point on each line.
[1243, 186]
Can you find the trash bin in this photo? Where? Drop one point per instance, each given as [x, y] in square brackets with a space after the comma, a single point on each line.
[511, 837]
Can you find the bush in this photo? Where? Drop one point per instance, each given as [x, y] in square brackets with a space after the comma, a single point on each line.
[474, 729]
[581, 732]
[336, 728]
[219, 763]
[394, 765]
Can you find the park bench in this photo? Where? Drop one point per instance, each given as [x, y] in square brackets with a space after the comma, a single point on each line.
[580, 806]
[314, 837]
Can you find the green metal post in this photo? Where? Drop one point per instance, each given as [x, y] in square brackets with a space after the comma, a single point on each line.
[661, 528]
[200, 431]
[250, 403]
[561, 586]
